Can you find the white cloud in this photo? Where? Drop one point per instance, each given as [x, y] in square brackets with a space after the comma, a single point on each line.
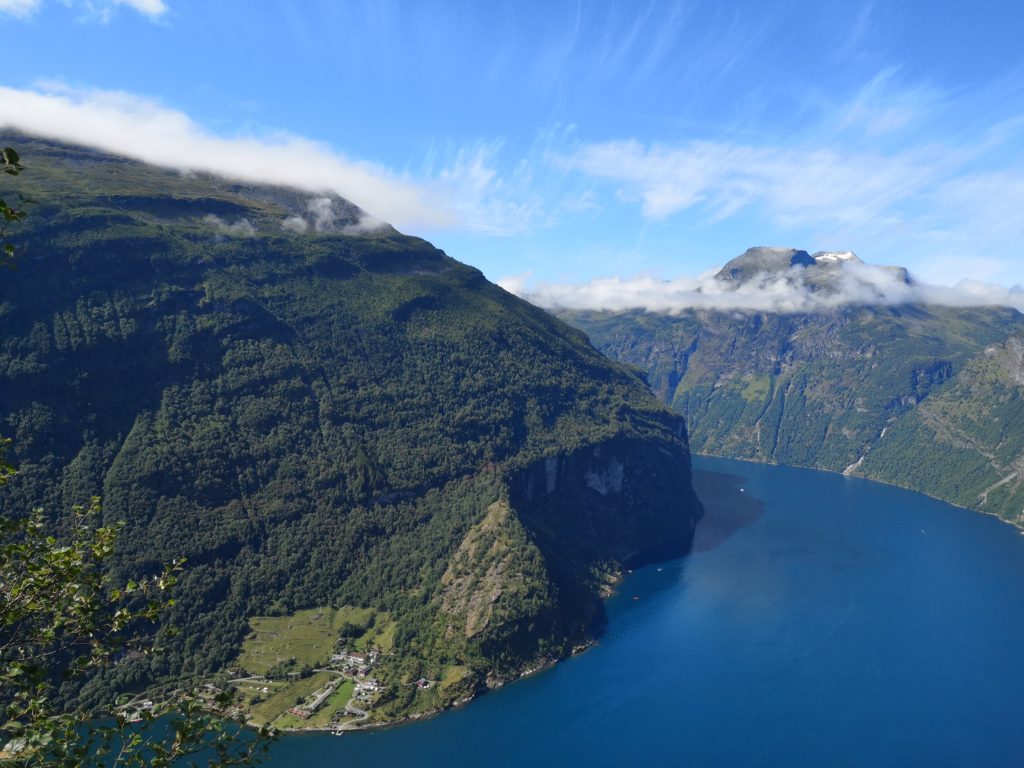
[881, 107]
[907, 171]
[19, 8]
[780, 292]
[322, 211]
[241, 228]
[145, 130]
[295, 224]
[365, 224]
[151, 8]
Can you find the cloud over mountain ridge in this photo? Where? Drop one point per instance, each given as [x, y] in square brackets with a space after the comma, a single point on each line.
[778, 280]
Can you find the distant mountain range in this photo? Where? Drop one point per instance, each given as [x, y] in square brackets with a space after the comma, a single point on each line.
[320, 414]
[924, 396]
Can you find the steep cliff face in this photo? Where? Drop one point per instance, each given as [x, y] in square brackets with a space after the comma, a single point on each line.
[615, 502]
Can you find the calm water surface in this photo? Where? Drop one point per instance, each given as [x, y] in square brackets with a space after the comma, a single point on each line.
[821, 621]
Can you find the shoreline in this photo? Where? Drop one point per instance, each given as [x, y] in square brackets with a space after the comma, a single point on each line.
[1015, 526]
[607, 590]
[458, 704]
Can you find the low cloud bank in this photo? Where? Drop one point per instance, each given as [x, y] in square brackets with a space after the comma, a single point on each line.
[240, 228]
[795, 290]
[144, 130]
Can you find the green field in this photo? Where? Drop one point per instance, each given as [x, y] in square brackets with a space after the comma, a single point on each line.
[311, 636]
[453, 676]
[323, 716]
[756, 389]
[277, 704]
[378, 629]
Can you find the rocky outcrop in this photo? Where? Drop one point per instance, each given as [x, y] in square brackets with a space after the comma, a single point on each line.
[491, 575]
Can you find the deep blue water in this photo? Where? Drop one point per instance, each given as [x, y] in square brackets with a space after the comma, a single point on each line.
[842, 623]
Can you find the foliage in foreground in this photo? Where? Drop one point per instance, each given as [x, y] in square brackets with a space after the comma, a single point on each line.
[60, 617]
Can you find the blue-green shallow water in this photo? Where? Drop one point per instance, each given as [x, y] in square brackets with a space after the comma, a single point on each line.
[848, 624]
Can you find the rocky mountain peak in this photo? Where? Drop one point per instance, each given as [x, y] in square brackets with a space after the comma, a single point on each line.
[763, 259]
[821, 272]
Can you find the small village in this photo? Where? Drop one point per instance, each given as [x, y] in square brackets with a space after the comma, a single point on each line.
[317, 669]
[345, 691]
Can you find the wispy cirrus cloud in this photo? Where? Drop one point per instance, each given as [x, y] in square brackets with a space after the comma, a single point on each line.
[151, 8]
[488, 198]
[796, 186]
[101, 10]
[19, 8]
[906, 171]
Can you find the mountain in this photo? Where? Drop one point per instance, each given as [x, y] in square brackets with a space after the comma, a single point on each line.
[821, 275]
[322, 416]
[923, 396]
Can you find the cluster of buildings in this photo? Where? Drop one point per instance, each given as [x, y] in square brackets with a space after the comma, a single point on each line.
[135, 710]
[355, 662]
[366, 688]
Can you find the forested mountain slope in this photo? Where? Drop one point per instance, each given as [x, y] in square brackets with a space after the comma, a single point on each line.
[315, 414]
[966, 442]
[911, 394]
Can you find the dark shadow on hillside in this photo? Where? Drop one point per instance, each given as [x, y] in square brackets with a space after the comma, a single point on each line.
[727, 508]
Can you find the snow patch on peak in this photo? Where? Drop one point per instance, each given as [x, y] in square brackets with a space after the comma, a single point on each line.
[833, 257]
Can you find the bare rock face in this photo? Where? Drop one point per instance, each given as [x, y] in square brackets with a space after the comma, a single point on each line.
[761, 260]
[493, 569]
[1013, 360]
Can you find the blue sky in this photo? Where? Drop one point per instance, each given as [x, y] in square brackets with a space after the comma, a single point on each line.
[562, 142]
